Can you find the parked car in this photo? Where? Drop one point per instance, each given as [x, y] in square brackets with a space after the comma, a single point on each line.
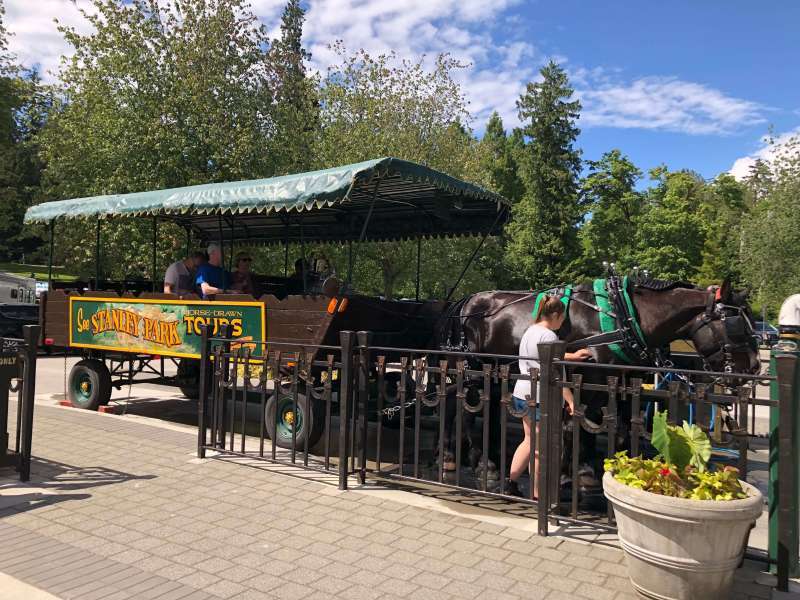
[767, 334]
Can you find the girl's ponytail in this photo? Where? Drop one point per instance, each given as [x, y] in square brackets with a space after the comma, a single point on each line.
[549, 307]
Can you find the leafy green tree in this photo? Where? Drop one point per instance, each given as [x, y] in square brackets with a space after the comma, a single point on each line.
[771, 232]
[615, 206]
[543, 234]
[24, 105]
[723, 212]
[671, 233]
[296, 108]
[159, 95]
[379, 106]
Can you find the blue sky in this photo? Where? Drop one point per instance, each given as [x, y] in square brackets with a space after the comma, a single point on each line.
[689, 84]
[745, 50]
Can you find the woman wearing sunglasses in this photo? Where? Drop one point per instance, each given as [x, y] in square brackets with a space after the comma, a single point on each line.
[242, 277]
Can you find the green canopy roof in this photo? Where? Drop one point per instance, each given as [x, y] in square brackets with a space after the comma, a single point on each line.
[397, 198]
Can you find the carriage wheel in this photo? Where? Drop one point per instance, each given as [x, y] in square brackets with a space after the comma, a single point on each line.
[89, 384]
[308, 419]
[188, 377]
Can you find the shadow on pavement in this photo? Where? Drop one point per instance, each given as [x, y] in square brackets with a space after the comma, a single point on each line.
[51, 483]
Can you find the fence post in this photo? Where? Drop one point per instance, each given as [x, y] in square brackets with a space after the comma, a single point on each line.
[30, 334]
[550, 409]
[346, 339]
[226, 332]
[364, 341]
[783, 481]
[202, 400]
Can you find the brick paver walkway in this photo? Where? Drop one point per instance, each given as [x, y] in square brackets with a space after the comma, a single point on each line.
[119, 508]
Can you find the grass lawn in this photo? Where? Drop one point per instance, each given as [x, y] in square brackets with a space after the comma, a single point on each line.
[38, 271]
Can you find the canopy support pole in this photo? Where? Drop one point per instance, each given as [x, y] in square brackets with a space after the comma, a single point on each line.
[230, 254]
[303, 257]
[155, 251]
[50, 256]
[188, 241]
[474, 254]
[349, 261]
[221, 242]
[419, 254]
[361, 236]
[97, 256]
[369, 214]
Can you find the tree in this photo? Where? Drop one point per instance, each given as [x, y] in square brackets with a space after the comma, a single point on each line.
[159, 95]
[24, 105]
[543, 233]
[771, 233]
[671, 234]
[296, 109]
[379, 106]
[497, 161]
[723, 212]
[615, 206]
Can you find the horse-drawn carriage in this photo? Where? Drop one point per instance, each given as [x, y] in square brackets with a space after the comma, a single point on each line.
[128, 337]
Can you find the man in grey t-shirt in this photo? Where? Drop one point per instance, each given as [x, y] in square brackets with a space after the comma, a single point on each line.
[179, 278]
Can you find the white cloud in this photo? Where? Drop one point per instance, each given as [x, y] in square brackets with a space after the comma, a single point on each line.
[771, 148]
[36, 40]
[668, 104]
[476, 32]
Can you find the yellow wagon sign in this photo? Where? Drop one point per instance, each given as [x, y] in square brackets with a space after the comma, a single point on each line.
[161, 327]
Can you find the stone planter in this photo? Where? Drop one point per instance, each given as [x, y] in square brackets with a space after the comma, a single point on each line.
[682, 549]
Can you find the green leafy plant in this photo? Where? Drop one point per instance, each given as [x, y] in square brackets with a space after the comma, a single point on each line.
[681, 446]
[681, 469]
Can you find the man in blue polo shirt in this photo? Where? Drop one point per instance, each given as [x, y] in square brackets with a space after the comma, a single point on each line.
[211, 278]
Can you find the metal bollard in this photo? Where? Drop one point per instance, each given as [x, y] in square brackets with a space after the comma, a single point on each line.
[784, 453]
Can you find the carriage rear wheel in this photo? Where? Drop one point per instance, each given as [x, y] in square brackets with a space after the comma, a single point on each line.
[307, 419]
[89, 384]
[188, 377]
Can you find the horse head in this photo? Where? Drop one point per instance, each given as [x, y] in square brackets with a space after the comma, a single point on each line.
[723, 333]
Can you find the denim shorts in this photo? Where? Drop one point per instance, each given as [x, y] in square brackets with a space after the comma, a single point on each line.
[522, 405]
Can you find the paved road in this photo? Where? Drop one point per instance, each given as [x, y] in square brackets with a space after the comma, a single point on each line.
[120, 509]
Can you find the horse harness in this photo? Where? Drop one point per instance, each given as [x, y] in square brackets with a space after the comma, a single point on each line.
[619, 325]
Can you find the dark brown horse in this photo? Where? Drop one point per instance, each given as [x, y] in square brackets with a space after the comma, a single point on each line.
[717, 321]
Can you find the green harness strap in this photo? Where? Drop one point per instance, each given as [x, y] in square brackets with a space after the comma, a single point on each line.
[609, 323]
[565, 297]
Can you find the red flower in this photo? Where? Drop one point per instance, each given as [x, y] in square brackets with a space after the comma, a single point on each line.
[665, 472]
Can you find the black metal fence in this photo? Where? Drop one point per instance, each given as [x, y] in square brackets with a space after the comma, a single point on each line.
[18, 376]
[448, 418]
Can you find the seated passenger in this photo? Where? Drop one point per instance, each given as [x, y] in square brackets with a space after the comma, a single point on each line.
[180, 276]
[211, 278]
[242, 278]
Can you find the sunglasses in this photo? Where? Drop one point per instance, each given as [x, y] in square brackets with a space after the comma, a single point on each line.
[245, 260]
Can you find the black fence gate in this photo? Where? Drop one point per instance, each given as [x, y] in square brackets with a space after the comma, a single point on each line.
[448, 418]
[18, 376]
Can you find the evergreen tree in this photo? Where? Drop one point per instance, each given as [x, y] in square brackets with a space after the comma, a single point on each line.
[296, 114]
[497, 160]
[615, 206]
[543, 233]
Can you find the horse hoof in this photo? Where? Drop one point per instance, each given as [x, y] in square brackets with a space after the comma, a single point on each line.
[449, 461]
[474, 458]
[492, 473]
